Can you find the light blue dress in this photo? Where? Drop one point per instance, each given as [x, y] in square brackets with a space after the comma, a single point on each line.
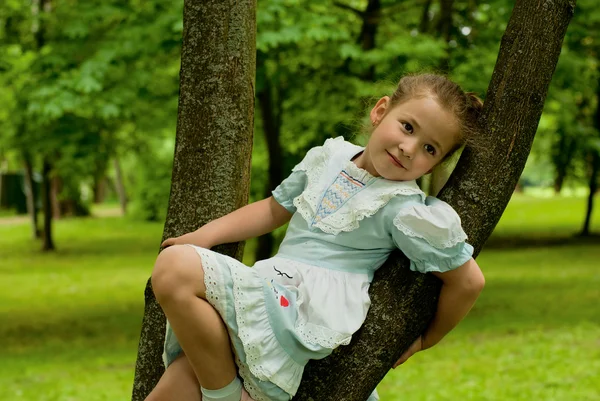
[313, 295]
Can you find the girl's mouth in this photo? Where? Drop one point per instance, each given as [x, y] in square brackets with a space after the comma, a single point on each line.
[395, 161]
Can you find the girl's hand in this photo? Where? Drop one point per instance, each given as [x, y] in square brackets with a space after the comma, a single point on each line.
[194, 238]
[414, 348]
[169, 242]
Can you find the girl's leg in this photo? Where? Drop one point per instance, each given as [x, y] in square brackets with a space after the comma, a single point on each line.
[178, 283]
[178, 383]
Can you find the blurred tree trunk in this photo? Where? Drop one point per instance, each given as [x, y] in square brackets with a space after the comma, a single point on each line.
[594, 166]
[100, 185]
[370, 17]
[39, 7]
[403, 302]
[48, 243]
[368, 34]
[30, 193]
[424, 24]
[211, 169]
[119, 185]
[562, 156]
[270, 105]
[439, 176]
[594, 163]
[444, 29]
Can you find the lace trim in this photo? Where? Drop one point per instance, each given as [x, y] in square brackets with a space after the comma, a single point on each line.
[364, 204]
[211, 280]
[322, 336]
[287, 381]
[455, 231]
[249, 383]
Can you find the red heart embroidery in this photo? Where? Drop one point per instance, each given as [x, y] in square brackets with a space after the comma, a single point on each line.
[284, 302]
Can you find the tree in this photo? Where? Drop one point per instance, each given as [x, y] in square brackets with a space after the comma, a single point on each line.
[213, 144]
[402, 302]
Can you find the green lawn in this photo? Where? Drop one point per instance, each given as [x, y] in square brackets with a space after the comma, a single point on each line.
[70, 321]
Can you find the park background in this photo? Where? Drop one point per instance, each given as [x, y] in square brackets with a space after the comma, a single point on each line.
[89, 101]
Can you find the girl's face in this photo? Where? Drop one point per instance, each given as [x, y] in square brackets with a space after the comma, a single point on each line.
[409, 140]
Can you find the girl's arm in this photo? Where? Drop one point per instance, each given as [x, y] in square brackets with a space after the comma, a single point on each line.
[250, 221]
[460, 289]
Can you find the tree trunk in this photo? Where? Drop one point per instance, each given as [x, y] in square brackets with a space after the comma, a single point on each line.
[30, 193]
[368, 33]
[424, 24]
[211, 169]
[445, 31]
[119, 185]
[100, 184]
[55, 188]
[48, 243]
[99, 188]
[271, 115]
[594, 170]
[593, 185]
[403, 302]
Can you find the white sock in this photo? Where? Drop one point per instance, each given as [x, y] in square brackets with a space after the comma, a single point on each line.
[231, 392]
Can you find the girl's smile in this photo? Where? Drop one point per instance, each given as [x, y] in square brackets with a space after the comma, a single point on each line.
[396, 161]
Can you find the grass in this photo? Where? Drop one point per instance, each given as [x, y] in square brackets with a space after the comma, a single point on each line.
[70, 321]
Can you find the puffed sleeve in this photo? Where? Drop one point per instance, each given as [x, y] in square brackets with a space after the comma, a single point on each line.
[431, 236]
[289, 188]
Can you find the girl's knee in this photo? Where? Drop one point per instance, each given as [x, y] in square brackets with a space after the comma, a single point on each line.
[176, 269]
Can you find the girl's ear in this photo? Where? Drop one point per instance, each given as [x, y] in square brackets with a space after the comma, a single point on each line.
[378, 112]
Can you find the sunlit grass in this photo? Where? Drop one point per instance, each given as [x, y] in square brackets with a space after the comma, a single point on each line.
[70, 320]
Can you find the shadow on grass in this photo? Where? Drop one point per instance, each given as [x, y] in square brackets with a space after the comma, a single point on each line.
[543, 240]
[98, 328]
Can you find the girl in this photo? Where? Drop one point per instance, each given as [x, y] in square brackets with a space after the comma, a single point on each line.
[348, 208]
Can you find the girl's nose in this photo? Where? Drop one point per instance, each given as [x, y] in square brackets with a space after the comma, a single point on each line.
[408, 148]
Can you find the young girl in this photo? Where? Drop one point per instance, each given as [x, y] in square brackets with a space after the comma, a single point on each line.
[348, 208]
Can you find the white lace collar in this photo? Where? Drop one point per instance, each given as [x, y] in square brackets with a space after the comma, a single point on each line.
[322, 165]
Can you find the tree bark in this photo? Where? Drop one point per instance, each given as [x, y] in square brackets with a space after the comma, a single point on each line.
[211, 169]
[479, 189]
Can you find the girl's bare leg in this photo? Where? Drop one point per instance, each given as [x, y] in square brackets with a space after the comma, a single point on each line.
[178, 283]
[178, 383]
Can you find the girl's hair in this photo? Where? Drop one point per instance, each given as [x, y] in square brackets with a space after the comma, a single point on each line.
[465, 106]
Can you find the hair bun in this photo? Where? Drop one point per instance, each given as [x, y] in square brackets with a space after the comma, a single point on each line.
[476, 104]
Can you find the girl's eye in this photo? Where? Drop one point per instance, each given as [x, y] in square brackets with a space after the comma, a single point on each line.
[408, 127]
[430, 149]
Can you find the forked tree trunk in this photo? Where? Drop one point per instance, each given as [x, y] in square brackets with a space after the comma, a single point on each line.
[479, 189]
[211, 169]
[402, 302]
